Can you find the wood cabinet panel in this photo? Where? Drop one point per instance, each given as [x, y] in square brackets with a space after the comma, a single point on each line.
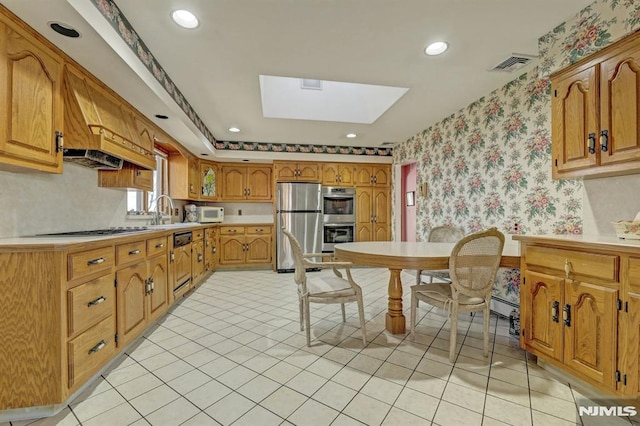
[129, 177]
[293, 171]
[90, 262]
[338, 174]
[159, 296]
[197, 266]
[595, 113]
[32, 111]
[130, 252]
[541, 301]
[247, 183]
[89, 303]
[619, 106]
[588, 265]
[233, 183]
[258, 249]
[590, 338]
[91, 350]
[231, 250]
[181, 266]
[259, 183]
[131, 301]
[157, 246]
[373, 214]
[575, 121]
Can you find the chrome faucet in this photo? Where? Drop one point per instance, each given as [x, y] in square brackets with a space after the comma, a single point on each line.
[157, 216]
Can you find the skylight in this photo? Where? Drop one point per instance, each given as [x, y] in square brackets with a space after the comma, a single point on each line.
[285, 97]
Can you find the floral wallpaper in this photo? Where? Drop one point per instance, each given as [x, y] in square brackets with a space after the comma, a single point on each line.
[489, 164]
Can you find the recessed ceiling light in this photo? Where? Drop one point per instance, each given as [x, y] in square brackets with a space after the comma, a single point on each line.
[436, 48]
[185, 19]
[351, 135]
[64, 29]
[234, 129]
[161, 116]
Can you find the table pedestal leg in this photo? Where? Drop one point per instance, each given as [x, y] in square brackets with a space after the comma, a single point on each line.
[395, 319]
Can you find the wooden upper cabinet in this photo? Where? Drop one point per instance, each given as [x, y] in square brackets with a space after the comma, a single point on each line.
[246, 183]
[338, 174]
[208, 181]
[596, 113]
[620, 107]
[30, 102]
[292, 171]
[184, 177]
[575, 120]
[373, 174]
[129, 177]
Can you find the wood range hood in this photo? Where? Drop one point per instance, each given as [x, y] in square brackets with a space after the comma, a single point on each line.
[100, 131]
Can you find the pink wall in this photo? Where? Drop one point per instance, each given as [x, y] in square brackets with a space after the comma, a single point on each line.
[409, 216]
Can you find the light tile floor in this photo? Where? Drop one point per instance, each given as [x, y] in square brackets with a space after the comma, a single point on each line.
[232, 353]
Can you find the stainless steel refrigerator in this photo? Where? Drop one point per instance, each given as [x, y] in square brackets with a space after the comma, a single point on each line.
[299, 210]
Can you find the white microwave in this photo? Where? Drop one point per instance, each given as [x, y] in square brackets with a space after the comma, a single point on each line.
[208, 214]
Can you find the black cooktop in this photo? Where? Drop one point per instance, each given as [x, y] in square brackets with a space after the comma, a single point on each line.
[96, 232]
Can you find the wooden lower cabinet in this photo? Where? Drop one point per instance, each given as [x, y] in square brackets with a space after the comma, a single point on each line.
[197, 262]
[210, 249]
[142, 295]
[579, 311]
[181, 260]
[246, 245]
[69, 310]
[373, 214]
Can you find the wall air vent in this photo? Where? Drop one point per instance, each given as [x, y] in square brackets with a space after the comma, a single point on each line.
[513, 62]
[311, 84]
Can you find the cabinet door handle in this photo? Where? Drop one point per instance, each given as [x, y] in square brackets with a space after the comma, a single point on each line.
[97, 301]
[567, 268]
[566, 315]
[172, 256]
[59, 141]
[604, 140]
[159, 245]
[554, 311]
[591, 143]
[199, 258]
[97, 347]
[136, 251]
[213, 249]
[147, 286]
[96, 261]
[152, 285]
[375, 179]
[248, 191]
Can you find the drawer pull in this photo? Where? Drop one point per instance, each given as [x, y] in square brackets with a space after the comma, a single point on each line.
[96, 261]
[97, 347]
[554, 311]
[159, 245]
[136, 251]
[97, 301]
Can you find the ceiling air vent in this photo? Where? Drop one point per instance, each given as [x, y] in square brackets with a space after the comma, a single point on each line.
[513, 62]
[309, 83]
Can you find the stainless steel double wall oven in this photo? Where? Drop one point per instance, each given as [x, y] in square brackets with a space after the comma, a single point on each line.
[338, 216]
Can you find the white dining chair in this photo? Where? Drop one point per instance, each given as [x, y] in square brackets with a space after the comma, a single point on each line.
[473, 265]
[321, 289]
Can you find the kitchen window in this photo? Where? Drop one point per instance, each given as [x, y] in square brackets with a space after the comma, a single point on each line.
[139, 200]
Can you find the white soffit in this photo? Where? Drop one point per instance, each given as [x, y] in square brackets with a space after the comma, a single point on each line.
[284, 97]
